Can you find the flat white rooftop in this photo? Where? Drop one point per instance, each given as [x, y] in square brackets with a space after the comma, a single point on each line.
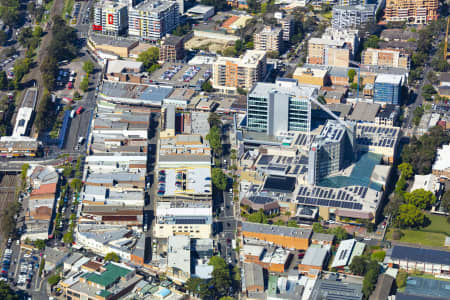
[179, 181]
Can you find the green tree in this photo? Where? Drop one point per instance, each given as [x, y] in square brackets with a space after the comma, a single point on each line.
[88, 66]
[219, 179]
[258, 217]
[149, 57]
[67, 171]
[68, 237]
[378, 256]
[417, 115]
[214, 140]
[193, 285]
[54, 279]
[420, 198]
[370, 278]
[317, 227]
[207, 87]
[37, 32]
[40, 244]
[3, 80]
[411, 216]
[371, 42]
[214, 120]
[76, 184]
[84, 84]
[429, 89]
[351, 75]
[406, 169]
[21, 67]
[112, 256]
[358, 265]
[7, 293]
[250, 45]
[445, 201]
[221, 278]
[339, 232]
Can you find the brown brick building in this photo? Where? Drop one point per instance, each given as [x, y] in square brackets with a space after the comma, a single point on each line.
[172, 49]
[288, 237]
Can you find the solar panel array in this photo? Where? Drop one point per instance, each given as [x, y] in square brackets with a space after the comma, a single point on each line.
[376, 136]
[283, 164]
[334, 198]
[190, 221]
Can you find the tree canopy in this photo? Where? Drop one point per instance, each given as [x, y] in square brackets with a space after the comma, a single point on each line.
[406, 169]
[7, 293]
[112, 256]
[88, 66]
[214, 139]
[420, 198]
[149, 59]
[411, 216]
[421, 152]
[219, 179]
[258, 217]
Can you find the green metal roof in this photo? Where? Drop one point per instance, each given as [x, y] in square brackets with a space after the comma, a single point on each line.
[108, 277]
[104, 293]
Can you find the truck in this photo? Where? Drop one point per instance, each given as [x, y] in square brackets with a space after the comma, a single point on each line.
[79, 110]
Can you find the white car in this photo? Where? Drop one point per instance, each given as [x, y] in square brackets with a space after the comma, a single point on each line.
[26, 255]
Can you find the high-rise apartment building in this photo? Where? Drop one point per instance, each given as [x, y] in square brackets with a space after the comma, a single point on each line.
[152, 20]
[387, 89]
[385, 57]
[412, 11]
[110, 18]
[353, 16]
[287, 25]
[279, 107]
[268, 39]
[334, 48]
[332, 150]
[230, 73]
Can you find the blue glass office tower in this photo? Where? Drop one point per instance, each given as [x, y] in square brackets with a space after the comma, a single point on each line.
[387, 89]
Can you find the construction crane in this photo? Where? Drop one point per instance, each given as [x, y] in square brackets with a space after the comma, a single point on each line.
[446, 40]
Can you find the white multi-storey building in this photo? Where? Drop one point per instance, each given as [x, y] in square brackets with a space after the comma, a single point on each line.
[152, 20]
[110, 18]
[353, 16]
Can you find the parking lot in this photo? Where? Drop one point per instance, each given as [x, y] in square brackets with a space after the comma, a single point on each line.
[7, 65]
[182, 75]
[79, 14]
[73, 73]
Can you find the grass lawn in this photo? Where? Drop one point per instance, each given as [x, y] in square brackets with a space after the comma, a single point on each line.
[438, 224]
[420, 237]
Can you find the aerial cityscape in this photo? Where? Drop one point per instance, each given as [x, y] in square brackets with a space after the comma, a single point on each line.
[227, 149]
